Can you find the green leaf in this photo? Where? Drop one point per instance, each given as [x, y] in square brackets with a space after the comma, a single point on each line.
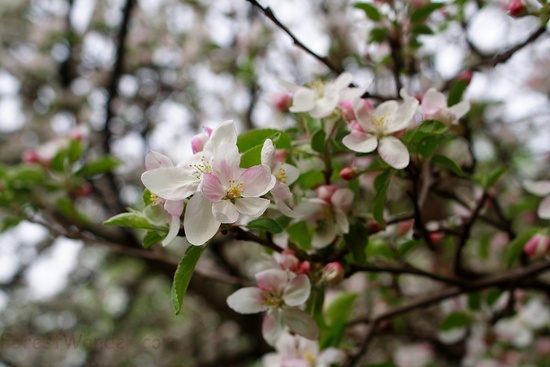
[310, 179]
[455, 320]
[26, 175]
[421, 14]
[422, 29]
[252, 157]
[151, 238]
[133, 220]
[357, 240]
[318, 141]
[253, 138]
[266, 224]
[337, 315]
[474, 301]
[515, 248]
[300, 234]
[379, 248]
[428, 145]
[97, 167]
[456, 92]
[74, 150]
[448, 163]
[378, 35]
[432, 127]
[405, 247]
[381, 183]
[183, 275]
[490, 179]
[370, 11]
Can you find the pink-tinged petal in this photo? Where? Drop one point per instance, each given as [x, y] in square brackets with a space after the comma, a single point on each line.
[540, 188]
[252, 207]
[310, 208]
[285, 209]
[225, 211]
[224, 134]
[303, 100]
[257, 181]
[433, 101]
[544, 208]
[173, 207]
[292, 173]
[459, 110]
[272, 326]
[360, 142]
[199, 222]
[342, 199]
[385, 110]
[300, 322]
[281, 191]
[272, 280]
[247, 300]
[268, 153]
[403, 116]
[212, 188]
[325, 105]
[173, 231]
[393, 152]
[343, 81]
[155, 160]
[363, 112]
[297, 291]
[324, 234]
[226, 163]
[171, 183]
[331, 356]
[341, 220]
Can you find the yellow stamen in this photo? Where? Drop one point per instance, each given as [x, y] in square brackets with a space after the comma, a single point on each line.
[281, 175]
[235, 191]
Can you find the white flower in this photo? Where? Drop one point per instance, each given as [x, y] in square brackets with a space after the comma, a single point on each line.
[296, 351]
[375, 129]
[279, 293]
[434, 107]
[181, 181]
[226, 192]
[540, 188]
[519, 330]
[285, 174]
[322, 99]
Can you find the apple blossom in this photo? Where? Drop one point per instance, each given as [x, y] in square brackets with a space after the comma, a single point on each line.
[329, 215]
[540, 188]
[537, 246]
[279, 293]
[296, 351]
[375, 128]
[434, 107]
[199, 140]
[519, 330]
[322, 99]
[333, 273]
[181, 181]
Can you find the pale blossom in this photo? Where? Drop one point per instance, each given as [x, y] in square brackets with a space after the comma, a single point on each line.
[329, 213]
[279, 293]
[323, 98]
[540, 188]
[434, 107]
[285, 175]
[295, 351]
[519, 330]
[227, 191]
[199, 140]
[181, 181]
[374, 129]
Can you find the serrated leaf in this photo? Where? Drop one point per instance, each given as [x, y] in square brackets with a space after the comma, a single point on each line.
[370, 11]
[26, 175]
[74, 150]
[318, 141]
[132, 220]
[252, 138]
[379, 248]
[447, 163]
[378, 35]
[515, 248]
[97, 167]
[266, 224]
[151, 238]
[455, 320]
[252, 157]
[183, 275]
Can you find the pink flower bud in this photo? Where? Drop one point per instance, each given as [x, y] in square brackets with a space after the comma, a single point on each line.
[516, 8]
[31, 156]
[289, 261]
[374, 226]
[537, 246]
[346, 110]
[84, 190]
[333, 273]
[436, 237]
[325, 192]
[466, 75]
[348, 173]
[305, 267]
[404, 227]
[197, 143]
[282, 101]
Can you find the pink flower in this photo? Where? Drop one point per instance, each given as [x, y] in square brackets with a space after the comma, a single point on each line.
[279, 293]
[537, 246]
[434, 107]
[198, 142]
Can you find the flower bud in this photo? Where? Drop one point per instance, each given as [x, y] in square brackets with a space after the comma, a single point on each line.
[282, 101]
[466, 75]
[348, 173]
[31, 156]
[197, 143]
[333, 273]
[537, 246]
[346, 110]
[84, 190]
[374, 226]
[305, 267]
[436, 237]
[516, 8]
[325, 192]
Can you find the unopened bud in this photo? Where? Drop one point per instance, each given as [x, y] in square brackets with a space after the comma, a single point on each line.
[305, 267]
[516, 8]
[289, 261]
[325, 192]
[197, 143]
[348, 173]
[31, 156]
[436, 237]
[374, 226]
[84, 190]
[333, 273]
[404, 227]
[282, 101]
[466, 75]
[537, 246]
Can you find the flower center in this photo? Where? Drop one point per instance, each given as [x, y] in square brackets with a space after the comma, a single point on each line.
[281, 175]
[272, 300]
[202, 167]
[310, 358]
[234, 191]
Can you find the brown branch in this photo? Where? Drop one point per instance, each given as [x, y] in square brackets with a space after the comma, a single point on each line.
[407, 269]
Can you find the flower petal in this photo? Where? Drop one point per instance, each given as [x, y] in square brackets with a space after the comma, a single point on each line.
[212, 188]
[544, 208]
[325, 105]
[433, 101]
[155, 160]
[300, 322]
[393, 152]
[285, 209]
[292, 173]
[272, 326]
[331, 356]
[268, 153]
[253, 207]
[171, 183]
[173, 231]
[324, 233]
[257, 180]
[174, 207]
[199, 222]
[297, 291]
[272, 280]
[403, 116]
[459, 110]
[342, 199]
[225, 211]
[360, 142]
[226, 163]
[303, 100]
[224, 134]
[281, 191]
[247, 300]
[540, 188]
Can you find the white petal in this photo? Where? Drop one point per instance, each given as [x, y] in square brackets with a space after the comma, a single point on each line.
[403, 116]
[360, 142]
[247, 300]
[226, 163]
[385, 109]
[297, 291]
[343, 81]
[324, 106]
[225, 211]
[459, 110]
[342, 199]
[225, 133]
[544, 208]
[303, 100]
[268, 153]
[541, 188]
[272, 326]
[393, 152]
[199, 222]
[253, 207]
[432, 101]
[300, 322]
[173, 232]
[272, 280]
[281, 191]
[173, 207]
[324, 234]
[341, 221]
[171, 183]
[212, 188]
[285, 209]
[331, 356]
[292, 173]
[156, 160]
